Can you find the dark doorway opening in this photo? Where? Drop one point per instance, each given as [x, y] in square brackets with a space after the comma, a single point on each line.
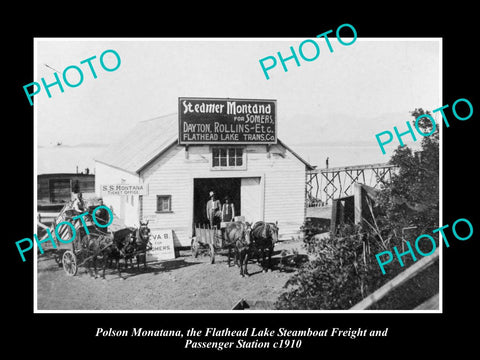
[221, 187]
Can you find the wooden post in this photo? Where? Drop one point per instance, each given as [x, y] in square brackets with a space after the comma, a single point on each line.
[333, 221]
[357, 194]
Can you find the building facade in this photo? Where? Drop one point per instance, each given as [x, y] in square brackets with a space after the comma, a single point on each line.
[264, 182]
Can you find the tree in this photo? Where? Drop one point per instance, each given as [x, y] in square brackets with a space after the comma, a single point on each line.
[412, 196]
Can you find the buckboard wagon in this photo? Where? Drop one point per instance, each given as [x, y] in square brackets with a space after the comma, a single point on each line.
[72, 255]
[207, 238]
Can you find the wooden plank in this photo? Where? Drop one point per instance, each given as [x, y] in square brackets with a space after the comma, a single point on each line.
[430, 304]
[353, 167]
[43, 226]
[396, 281]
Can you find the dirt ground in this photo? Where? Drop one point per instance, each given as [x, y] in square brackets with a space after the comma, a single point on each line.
[185, 283]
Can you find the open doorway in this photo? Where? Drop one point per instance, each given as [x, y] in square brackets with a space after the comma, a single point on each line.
[222, 187]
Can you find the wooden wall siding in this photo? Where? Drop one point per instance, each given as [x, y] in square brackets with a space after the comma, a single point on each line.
[86, 185]
[173, 173]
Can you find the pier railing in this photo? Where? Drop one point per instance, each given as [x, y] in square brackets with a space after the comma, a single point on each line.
[324, 185]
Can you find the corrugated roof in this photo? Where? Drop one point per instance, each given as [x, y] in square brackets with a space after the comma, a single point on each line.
[146, 141]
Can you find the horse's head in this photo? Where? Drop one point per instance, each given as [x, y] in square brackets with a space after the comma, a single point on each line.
[144, 231]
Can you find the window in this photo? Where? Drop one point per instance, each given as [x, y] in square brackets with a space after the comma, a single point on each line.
[223, 158]
[164, 203]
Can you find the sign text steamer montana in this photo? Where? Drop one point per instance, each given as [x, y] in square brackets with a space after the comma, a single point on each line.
[227, 121]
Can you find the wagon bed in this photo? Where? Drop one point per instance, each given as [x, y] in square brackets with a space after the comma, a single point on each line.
[206, 237]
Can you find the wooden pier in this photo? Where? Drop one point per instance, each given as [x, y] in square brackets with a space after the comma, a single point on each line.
[324, 185]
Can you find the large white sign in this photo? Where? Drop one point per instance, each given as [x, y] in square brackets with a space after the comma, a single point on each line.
[124, 189]
[162, 245]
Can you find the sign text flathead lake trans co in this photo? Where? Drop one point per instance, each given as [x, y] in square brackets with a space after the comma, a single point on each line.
[226, 121]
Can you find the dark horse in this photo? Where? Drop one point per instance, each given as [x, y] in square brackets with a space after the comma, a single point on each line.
[109, 247]
[237, 237]
[264, 236]
[142, 243]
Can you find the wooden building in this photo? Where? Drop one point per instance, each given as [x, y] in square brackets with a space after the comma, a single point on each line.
[264, 182]
[54, 190]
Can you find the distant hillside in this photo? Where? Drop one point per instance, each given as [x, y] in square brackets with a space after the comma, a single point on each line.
[334, 128]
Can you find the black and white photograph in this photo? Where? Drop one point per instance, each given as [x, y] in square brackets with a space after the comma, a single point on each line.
[228, 183]
[245, 181]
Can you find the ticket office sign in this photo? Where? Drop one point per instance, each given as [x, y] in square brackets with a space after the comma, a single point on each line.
[124, 189]
[227, 121]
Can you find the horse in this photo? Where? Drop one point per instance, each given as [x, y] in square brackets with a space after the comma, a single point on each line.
[125, 244]
[109, 247]
[264, 236]
[142, 243]
[237, 237]
[95, 246]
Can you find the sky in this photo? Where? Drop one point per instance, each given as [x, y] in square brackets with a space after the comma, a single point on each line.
[343, 97]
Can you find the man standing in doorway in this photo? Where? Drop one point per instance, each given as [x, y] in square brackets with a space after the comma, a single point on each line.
[213, 210]
[228, 210]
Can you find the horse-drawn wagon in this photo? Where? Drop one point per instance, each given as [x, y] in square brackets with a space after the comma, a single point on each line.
[245, 240]
[207, 238]
[211, 239]
[91, 242]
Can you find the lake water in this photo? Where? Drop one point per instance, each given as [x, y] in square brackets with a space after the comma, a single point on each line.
[65, 159]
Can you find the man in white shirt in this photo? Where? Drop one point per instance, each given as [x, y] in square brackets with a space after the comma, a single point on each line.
[213, 210]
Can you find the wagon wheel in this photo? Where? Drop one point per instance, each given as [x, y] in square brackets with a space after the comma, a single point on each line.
[212, 253]
[194, 248]
[69, 261]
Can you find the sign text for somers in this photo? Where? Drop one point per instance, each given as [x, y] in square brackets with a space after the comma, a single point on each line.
[206, 120]
[162, 245]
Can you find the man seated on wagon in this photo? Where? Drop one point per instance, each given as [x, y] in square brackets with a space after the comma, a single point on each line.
[78, 204]
[78, 207]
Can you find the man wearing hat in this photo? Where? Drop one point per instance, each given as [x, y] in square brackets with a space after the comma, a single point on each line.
[102, 215]
[213, 210]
